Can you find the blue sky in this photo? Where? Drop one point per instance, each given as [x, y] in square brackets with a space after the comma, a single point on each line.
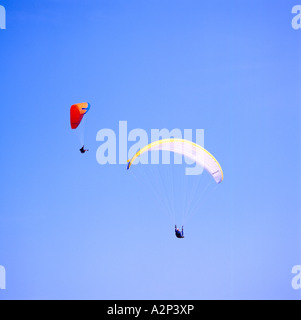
[72, 229]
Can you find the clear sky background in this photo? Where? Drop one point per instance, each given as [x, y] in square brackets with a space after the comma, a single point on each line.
[73, 229]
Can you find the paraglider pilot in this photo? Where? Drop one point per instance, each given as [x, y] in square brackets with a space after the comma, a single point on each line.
[83, 150]
[179, 234]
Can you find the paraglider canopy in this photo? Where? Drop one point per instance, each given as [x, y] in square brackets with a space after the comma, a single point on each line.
[77, 112]
[188, 149]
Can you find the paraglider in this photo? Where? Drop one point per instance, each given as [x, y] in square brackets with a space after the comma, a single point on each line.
[83, 150]
[190, 150]
[77, 113]
[179, 234]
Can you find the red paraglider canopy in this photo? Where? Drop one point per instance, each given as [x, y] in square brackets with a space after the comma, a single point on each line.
[77, 112]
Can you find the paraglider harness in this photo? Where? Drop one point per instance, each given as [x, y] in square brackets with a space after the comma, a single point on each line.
[179, 234]
[82, 150]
